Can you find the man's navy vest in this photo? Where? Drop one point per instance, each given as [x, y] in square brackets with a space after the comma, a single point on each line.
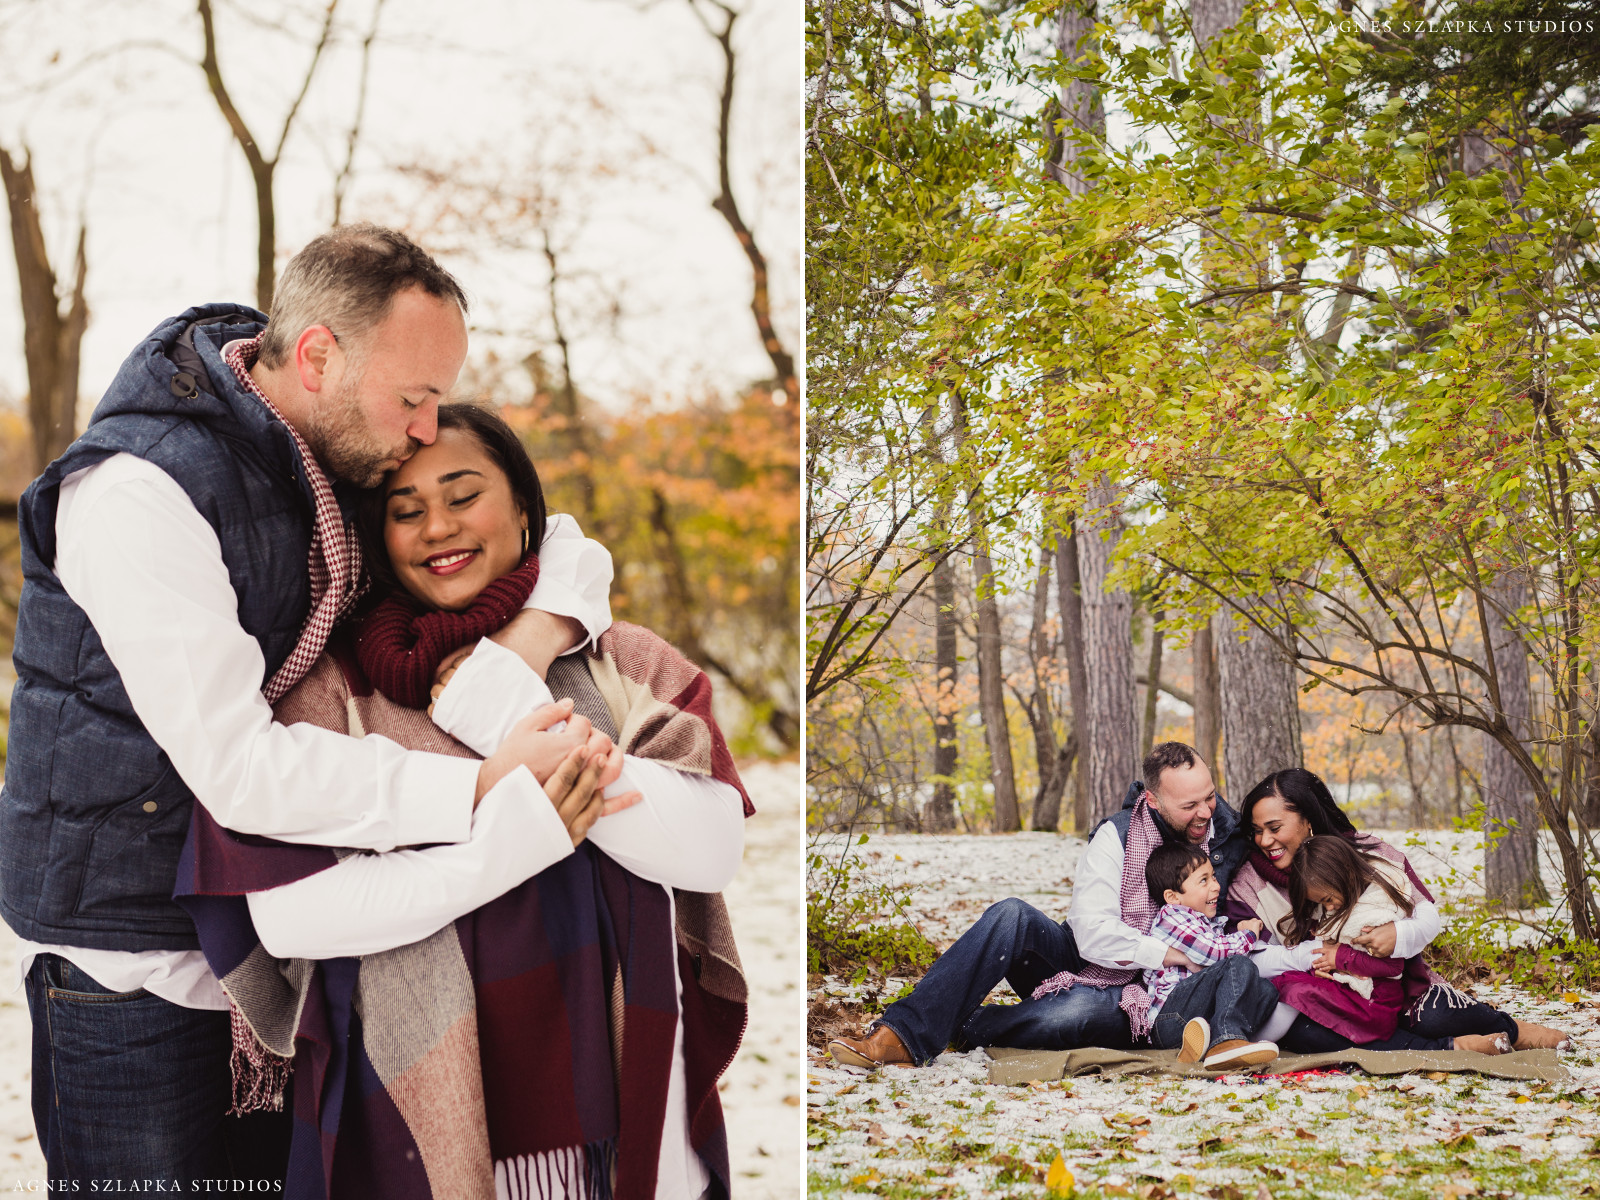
[93, 815]
[1228, 846]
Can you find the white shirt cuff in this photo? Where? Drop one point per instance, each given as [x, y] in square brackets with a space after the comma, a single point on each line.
[433, 798]
[574, 579]
[489, 693]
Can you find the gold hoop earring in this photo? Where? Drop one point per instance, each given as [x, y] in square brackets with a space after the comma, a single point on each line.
[524, 541]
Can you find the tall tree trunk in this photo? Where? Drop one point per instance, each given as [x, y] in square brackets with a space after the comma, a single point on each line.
[1260, 707]
[991, 670]
[1208, 19]
[1054, 759]
[1260, 710]
[1207, 696]
[51, 339]
[941, 814]
[1511, 815]
[1070, 599]
[1152, 690]
[1079, 105]
[991, 683]
[1110, 729]
[783, 364]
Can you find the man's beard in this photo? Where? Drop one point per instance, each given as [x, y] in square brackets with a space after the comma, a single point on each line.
[338, 435]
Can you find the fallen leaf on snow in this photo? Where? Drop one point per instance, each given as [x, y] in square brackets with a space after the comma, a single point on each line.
[1058, 1180]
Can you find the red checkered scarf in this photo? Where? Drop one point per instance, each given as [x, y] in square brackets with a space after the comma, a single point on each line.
[334, 560]
[1138, 911]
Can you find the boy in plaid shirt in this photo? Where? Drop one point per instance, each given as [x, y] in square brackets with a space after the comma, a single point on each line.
[1181, 877]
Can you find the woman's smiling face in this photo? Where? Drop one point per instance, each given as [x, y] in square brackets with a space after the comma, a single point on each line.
[1278, 830]
[451, 523]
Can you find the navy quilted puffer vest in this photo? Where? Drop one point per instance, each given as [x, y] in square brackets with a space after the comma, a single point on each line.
[92, 814]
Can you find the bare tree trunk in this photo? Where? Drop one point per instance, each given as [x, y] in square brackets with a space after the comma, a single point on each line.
[941, 815]
[261, 167]
[341, 180]
[1079, 106]
[1260, 710]
[51, 339]
[1210, 18]
[1070, 600]
[1054, 759]
[1207, 697]
[1109, 728]
[760, 305]
[1419, 811]
[991, 683]
[1152, 690]
[1511, 815]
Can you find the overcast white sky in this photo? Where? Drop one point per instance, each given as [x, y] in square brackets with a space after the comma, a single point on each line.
[604, 109]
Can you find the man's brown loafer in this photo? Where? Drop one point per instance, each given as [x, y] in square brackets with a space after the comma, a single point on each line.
[880, 1048]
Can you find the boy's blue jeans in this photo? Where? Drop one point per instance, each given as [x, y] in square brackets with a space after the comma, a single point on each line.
[132, 1088]
[1015, 942]
[1230, 995]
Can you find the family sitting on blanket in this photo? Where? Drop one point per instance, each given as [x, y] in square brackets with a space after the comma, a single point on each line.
[1082, 982]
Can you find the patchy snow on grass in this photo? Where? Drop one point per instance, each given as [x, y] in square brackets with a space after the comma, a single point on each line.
[943, 1131]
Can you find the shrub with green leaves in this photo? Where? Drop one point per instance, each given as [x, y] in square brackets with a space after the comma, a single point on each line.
[858, 926]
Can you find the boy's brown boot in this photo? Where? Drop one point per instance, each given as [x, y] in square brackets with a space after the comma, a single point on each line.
[880, 1048]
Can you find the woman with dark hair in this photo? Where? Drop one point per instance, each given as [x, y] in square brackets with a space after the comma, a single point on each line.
[1280, 814]
[545, 1008]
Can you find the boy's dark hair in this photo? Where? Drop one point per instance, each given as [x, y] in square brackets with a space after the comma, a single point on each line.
[1163, 757]
[1170, 864]
[501, 443]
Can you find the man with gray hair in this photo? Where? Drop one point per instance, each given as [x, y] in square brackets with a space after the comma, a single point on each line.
[185, 561]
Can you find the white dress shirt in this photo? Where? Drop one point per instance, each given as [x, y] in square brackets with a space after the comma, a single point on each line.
[136, 555]
[1096, 913]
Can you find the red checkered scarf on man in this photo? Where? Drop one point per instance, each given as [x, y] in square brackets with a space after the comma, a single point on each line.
[1138, 911]
[334, 559]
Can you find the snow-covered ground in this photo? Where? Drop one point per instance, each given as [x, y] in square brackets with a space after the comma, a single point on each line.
[943, 1131]
[761, 1092]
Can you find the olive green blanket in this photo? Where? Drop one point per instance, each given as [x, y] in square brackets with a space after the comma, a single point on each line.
[1025, 1066]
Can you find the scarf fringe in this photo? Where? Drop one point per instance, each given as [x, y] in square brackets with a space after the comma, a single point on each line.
[570, 1173]
[1453, 998]
[259, 1075]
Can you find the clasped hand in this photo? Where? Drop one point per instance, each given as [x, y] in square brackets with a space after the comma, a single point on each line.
[572, 760]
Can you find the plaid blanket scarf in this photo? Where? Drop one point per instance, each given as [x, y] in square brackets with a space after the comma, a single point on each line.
[1138, 911]
[496, 1047]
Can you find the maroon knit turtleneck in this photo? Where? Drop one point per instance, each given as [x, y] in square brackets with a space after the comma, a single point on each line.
[401, 643]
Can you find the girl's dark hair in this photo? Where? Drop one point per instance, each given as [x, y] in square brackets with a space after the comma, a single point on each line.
[501, 443]
[1331, 864]
[1301, 792]
[1170, 864]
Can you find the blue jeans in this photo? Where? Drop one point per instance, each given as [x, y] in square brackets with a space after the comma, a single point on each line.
[1015, 942]
[1230, 995]
[130, 1087]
